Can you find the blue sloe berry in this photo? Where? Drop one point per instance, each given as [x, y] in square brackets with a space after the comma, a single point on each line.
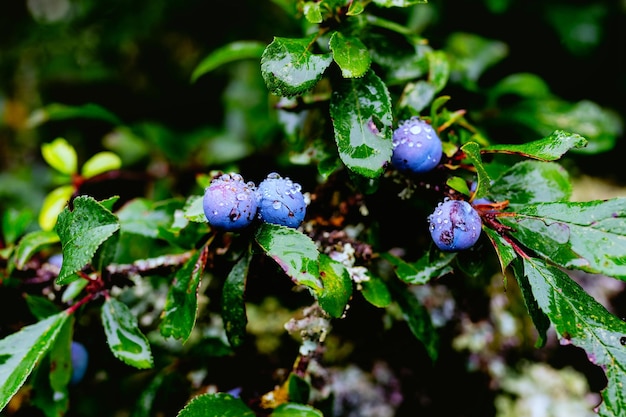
[416, 146]
[455, 225]
[230, 203]
[80, 360]
[282, 201]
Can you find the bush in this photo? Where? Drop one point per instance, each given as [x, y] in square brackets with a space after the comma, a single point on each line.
[118, 116]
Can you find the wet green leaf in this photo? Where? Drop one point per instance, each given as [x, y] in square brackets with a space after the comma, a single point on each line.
[505, 252]
[125, 339]
[194, 210]
[233, 302]
[294, 252]
[362, 118]
[549, 148]
[350, 54]
[532, 182]
[60, 155]
[82, 231]
[145, 217]
[581, 320]
[215, 405]
[289, 68]
[32, 243]
[296, 410]
[590, 236]
[540, 319]
[99, 163]
[181, 305]
[233, 51]
[20, 352]
[472, 151]
[337, 286]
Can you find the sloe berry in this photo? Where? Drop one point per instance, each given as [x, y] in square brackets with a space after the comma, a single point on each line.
[230, 203]
[282, 201]
[455, 225]
[416, 146]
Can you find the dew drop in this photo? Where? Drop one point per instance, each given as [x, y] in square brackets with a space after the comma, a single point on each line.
[415, 129]
[622, 340]
[276, 205]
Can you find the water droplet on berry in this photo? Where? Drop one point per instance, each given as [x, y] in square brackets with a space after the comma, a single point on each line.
[276, 204]
[416, 129]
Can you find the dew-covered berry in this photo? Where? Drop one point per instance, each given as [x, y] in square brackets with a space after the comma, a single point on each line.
[281, 202]
[80, 359]
[230, 203]
[416, 146]
[455, 225]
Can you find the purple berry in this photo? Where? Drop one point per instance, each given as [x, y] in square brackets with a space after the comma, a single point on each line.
[282, 201]
[455, 225]
[416, 146]
[80, 360]
[230, 203]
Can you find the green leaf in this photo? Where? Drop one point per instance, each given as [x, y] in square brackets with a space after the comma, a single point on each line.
[215, 405]
[417, 96]
[459, 184]
[522, 84]
[429, 266]
[233, 51]
[58, 111]
[32, 243]
[538, 316]
[233, 302]
[60, 370]
[194, 210]
[298, 388]
[41, 307]
[590, 236]
[296, 410]
[532, 182]
[289, 68]
[471, 55]
[20, 352]
[99, 163]
[144, 217]
[125, 340]
[549, 148]
[181, 304]
[505, 252]
[362, 117]
[398, 3]
[15, 223]
[350, 54]
[337, 286]
[472, 151]
[417, 318]
[581, 320]
[53, 205]
[82, 231]
[60, 155]
[438, 69]
[601, 127]
[312, 11]
[294, 252]
[376, 292]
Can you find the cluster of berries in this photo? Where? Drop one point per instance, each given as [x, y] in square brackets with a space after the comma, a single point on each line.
[454, 225]
[230, 203]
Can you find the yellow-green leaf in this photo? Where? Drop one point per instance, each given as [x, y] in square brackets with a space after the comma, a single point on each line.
[60, 155]
[99, 163]
[53, 205]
